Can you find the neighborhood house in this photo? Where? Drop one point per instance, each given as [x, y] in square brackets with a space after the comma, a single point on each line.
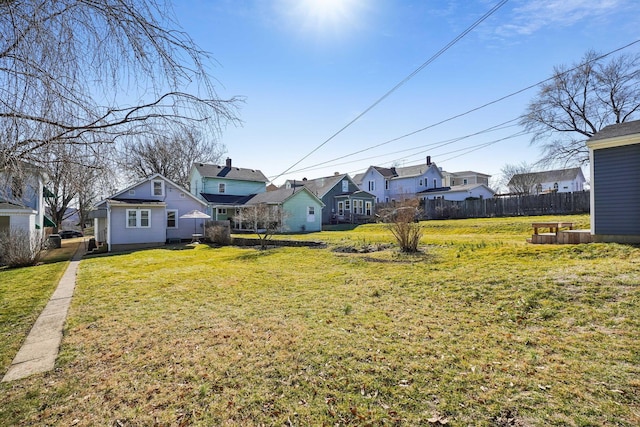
[400, 183]
[22, 200]
[147, 214]
[343, 200]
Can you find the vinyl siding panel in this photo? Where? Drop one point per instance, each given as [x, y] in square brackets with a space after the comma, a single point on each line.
[616, 190]
[296, 209]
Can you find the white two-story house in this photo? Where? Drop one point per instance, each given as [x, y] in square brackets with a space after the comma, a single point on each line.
[399, 183]
[553, 181]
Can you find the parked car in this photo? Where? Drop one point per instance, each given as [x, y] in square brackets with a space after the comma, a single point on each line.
[68, 234]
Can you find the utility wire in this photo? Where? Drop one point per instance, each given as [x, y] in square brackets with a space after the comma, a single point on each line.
[397, 86]
[312, 167]
[433, 145]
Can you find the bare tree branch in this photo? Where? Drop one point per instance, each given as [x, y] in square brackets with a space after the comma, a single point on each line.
[579, 101]
[91, 72]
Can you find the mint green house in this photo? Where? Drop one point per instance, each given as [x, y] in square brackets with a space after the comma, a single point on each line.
[301, 209]
[225, 188]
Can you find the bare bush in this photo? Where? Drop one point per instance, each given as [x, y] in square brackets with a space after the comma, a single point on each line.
[19, 248]
[404, 225]
[218, 233]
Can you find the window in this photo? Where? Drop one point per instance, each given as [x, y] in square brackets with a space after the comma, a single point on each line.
[172, 218]
[465, 182]
[222, 211]
[360, 206]
[347, 205]
[345, 185]
[420, 182]
[182, 195]
[372, 186]
[221, 187]
[435, 183]
[555, 186]
[340, 208]
[158, 187]
[145, 218]
[132, 192]
[367, 208]
[386, 184]
[132, 218]
[138, 218]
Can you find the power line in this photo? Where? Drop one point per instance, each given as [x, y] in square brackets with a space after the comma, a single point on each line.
[433, 145]
[315, 166]
[397, 86]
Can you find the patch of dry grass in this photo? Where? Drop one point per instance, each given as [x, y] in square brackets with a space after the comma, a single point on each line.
[483, 330]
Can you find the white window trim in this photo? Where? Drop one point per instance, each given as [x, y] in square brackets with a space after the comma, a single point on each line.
[222, 187]
[176, 219]
[222, 211]
[345, 186]
[153, 187]
[138, 218]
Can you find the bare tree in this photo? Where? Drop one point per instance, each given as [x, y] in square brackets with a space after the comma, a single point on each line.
[263, 219]
[63, 170]
[80, 72]
[579, 101]
[519, 178]
[170, 154]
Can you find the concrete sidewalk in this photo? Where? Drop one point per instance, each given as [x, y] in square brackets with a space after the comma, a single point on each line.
[39, 351]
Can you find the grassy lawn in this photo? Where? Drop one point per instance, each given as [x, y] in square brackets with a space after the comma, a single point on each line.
[24, 292]
[479, 329]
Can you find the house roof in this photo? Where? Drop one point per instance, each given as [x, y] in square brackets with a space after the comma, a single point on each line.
[321, 186]
[617, 130]
[550, 176]
[415, 170]
[280, 196]
[150, 178]
[6, 205]
[226, 199]
[456, 189]
[134, 202]
[465, 173]
[229, 172]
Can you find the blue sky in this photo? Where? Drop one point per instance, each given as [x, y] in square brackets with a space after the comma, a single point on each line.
[309, 67]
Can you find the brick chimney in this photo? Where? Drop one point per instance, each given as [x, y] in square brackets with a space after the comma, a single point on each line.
[228, 162]
[428, 160]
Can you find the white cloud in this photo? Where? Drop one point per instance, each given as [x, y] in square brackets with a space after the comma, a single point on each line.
[538, 15]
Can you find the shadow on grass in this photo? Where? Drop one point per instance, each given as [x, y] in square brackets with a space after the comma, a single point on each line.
[339, 227]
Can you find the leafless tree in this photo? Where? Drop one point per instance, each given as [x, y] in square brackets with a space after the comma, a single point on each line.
[519, 178]
[581, 100]
[263, 219]
[170, 154]
[81, 72]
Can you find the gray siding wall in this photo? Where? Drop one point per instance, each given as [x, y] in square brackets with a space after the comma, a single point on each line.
[616, 190]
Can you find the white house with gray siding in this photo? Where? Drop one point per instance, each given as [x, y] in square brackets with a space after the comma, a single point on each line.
[147, 214]
[399, 183]
[614, 155]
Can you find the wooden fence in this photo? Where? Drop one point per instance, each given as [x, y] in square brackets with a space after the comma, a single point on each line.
[542, 204]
